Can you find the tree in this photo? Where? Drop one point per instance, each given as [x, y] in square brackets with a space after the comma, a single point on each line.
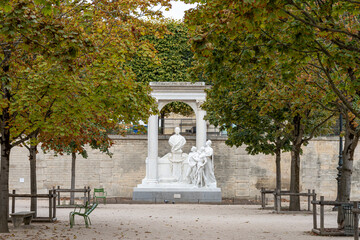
[240, 117]
[55, 51]
[25, 42]
[322, 34]
[93, 134]
[267, 116]
[237, 58]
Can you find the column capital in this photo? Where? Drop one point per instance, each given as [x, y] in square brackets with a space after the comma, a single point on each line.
[199, 103]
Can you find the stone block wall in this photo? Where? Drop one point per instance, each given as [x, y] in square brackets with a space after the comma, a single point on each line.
[238, 174]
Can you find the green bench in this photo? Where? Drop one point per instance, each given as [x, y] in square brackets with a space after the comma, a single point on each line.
[84, 211]
[99, 193]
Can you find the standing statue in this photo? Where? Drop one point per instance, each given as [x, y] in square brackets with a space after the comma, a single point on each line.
[200, 180]
[209, 167]
[192, 161]
[176, 142]
[200, 172]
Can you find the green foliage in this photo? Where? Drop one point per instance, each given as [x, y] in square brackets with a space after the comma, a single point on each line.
[318, 36]
[60, 67]
[174, 58]
[93, 134]
[173, 54]
[260, 85]
[64, 69]
[178, 108]
[298, 58]
[240, 117]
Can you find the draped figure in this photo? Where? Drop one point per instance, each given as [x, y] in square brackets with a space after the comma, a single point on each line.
[209, 166]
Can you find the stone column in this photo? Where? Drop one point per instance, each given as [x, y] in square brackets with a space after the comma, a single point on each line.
[200, 126]
[153, 128]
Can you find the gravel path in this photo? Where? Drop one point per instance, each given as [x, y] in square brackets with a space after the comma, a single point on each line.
[174, 221]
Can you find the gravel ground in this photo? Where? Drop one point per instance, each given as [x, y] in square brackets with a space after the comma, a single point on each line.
[174, 221]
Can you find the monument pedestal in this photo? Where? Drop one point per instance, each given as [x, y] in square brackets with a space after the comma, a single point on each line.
[186, 193]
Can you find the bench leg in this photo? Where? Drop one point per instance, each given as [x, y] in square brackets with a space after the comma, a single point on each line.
[27, 220]
[71, 219]
[86, 221]
[17, 221]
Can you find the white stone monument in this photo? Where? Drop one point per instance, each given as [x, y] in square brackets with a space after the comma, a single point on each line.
[179, 176]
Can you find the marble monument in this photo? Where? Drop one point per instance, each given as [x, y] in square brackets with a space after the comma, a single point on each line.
[179, 176]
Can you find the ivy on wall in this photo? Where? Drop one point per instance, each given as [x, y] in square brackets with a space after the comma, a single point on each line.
[174, 58]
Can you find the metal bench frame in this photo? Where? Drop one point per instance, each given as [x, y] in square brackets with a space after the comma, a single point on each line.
[87, 209]
[96, 196]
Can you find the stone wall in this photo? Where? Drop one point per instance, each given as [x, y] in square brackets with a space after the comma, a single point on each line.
[238, 174]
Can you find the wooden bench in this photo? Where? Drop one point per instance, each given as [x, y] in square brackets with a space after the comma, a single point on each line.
[22, 217]
[87, 209]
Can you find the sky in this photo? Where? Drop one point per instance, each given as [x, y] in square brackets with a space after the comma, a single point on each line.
[177, 10]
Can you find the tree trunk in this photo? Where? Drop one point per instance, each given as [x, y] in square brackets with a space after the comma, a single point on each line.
[278, 168]
[4, 173]
[33, 185]
[278, 174]
[73, 156]
[5, 156]
[295, 178]
[351, 141]
[298, 134]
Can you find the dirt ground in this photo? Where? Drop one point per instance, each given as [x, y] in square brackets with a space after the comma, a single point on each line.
[173, 221]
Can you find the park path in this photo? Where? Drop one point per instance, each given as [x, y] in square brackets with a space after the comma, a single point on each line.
[175, 221]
